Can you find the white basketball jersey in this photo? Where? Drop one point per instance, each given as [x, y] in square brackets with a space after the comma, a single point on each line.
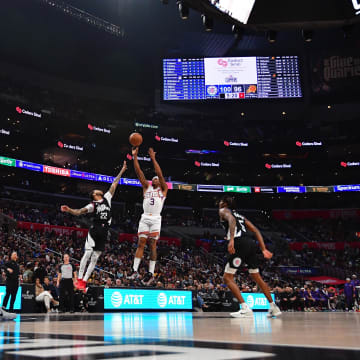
[153, 201]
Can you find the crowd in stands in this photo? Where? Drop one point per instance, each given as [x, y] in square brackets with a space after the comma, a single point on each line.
[185, 267]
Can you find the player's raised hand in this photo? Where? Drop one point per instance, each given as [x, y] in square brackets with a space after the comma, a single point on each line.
[124, 167]
[135, 151]
[267, 254]
[64, 208]
[151, 153]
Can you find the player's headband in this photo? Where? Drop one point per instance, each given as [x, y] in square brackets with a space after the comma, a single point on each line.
[155, 177]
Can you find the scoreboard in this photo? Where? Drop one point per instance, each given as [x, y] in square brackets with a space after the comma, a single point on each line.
[232, 78]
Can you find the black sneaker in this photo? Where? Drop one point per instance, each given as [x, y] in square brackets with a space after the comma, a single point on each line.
[148, 279]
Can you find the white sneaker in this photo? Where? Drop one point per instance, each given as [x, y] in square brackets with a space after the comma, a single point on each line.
[274, 311]
[243, 313]
[4, 315]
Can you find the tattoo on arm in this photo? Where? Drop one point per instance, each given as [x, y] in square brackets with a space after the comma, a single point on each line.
[227, 216]
[78, 212]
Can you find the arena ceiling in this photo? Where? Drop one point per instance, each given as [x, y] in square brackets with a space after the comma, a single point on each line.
[35, 35]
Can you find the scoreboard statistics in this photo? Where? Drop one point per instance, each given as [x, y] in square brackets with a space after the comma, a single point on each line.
[253, 77]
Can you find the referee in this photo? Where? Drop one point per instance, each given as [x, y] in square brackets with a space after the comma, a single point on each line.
[12, 271]
[65, 283]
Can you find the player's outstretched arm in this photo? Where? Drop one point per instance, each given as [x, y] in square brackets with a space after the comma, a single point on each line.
[158, 171]
[226, 215]
[76, 212]
[251, 227]
[138, 170]
[117, 179]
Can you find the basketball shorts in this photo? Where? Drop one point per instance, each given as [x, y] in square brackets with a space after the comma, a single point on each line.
[246, 254]
[97, 237]
[149, 226]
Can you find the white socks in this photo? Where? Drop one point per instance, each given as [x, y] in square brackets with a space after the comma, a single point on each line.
[83, 263]
[94, 257]
[244, 306]
[272, 305]
[136, 264]
[152, 266]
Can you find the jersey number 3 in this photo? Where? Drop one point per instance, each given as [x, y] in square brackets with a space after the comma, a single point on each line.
[152, 201]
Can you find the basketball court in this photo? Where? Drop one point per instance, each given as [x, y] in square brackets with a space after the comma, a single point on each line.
[181, 335]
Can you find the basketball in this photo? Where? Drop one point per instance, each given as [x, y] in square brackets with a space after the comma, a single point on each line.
[135, 139]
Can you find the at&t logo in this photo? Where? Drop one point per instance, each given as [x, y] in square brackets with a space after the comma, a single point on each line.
[250, 301]
[162, 300]
[116, 299]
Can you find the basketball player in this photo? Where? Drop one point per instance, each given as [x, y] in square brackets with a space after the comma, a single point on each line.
[98, 233]
[150, 222]
[243, 249]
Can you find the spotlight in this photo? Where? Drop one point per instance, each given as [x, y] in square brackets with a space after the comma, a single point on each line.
[271, 35]
[183, 10]
[307, 35]
[208, 23]
[238, 32]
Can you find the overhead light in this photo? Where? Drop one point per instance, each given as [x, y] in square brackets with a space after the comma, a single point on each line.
[208, 23]
[284, 113]
[238, 31]
[329, 106]
[307, 35]
[271, 36]
[183, 9]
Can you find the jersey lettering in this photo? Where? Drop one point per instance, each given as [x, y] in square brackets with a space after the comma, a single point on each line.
[240, 227]
[102, 212]
[153, 201]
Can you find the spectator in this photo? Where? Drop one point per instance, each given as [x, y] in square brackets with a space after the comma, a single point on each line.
[39, 271]
[43, 296]
[48, 286]
[108, 283]
[28, 275]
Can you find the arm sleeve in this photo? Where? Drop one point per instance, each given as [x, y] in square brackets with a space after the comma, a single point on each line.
[108, 197]
[90, 208]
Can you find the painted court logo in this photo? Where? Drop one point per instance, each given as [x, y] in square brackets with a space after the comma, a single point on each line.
[116, 299]
[162, 300]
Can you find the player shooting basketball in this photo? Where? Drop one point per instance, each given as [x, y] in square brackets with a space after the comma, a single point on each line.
[150, 222]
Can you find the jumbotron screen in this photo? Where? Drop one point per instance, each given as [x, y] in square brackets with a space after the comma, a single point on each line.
[229, 78]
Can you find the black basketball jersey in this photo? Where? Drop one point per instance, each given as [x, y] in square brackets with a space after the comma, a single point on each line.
[240, 227]
[101, 210]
